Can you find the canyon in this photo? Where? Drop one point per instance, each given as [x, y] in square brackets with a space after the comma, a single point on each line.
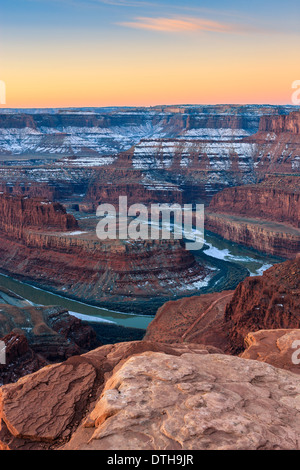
[216, 155]
[187, 153]
[44, 244]
[213, 371]
[170, 390]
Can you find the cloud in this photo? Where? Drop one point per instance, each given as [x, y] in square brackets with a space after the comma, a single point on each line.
[126, 3]
[118, 3]
[180, 24]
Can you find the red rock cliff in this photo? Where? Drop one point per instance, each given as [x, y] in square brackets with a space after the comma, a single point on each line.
[34, 244]
[283, 123]
[265, 216]
[19, 213]
[271, 301]
[276, 199]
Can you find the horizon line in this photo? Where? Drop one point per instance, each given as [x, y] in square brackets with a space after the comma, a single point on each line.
[4, 108]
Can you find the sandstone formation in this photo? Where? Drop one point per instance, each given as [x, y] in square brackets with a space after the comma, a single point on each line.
[270, 301]
[32, 190]
[280, 348]
[265, 216]
[280, 124]
[276, 198]
[192, 320]
[59, 396]
[43, 243]
[19, 213]
[108, 184]
[267, 237]
[21, 360]
[50, 331]
[152, 396]
[101, 131]
[199, 150]
[277, 141]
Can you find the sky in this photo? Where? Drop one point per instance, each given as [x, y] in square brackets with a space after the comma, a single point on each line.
[76, 53]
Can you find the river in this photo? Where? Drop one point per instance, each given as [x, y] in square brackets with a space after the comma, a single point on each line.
[220, 251]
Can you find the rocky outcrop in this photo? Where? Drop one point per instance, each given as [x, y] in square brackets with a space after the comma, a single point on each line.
[35, 190]
[270, 301]
[108, 184]
[196, 319]
[279, 124]
[224, 319]
[149, 396]
[20, 213]
[268, 237]
[277, 142]
[50, 331]
[60, 396]
[21, 360]
[280, 348]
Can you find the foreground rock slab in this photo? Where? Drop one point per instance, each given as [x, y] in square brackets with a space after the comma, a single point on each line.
[145, 395]
[43, 410]
[156, 401]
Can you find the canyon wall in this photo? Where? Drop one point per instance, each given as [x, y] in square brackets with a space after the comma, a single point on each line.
[277, 199]
[194, 150]
[40, 242]
[278, 124]
[270, 301]
[111, 130]
[265, 216]
[232, 320]
[19, 213]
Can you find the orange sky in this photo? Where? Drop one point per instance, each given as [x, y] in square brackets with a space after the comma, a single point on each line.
[149, 61]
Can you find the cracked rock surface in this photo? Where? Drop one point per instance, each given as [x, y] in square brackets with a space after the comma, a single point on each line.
[144, 395]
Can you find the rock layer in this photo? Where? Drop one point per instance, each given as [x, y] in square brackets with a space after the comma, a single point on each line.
[19, 213]
[198, 149]
[50, 331]
[265, 216]
[21, 360]
[55, 401]
[270, 301]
